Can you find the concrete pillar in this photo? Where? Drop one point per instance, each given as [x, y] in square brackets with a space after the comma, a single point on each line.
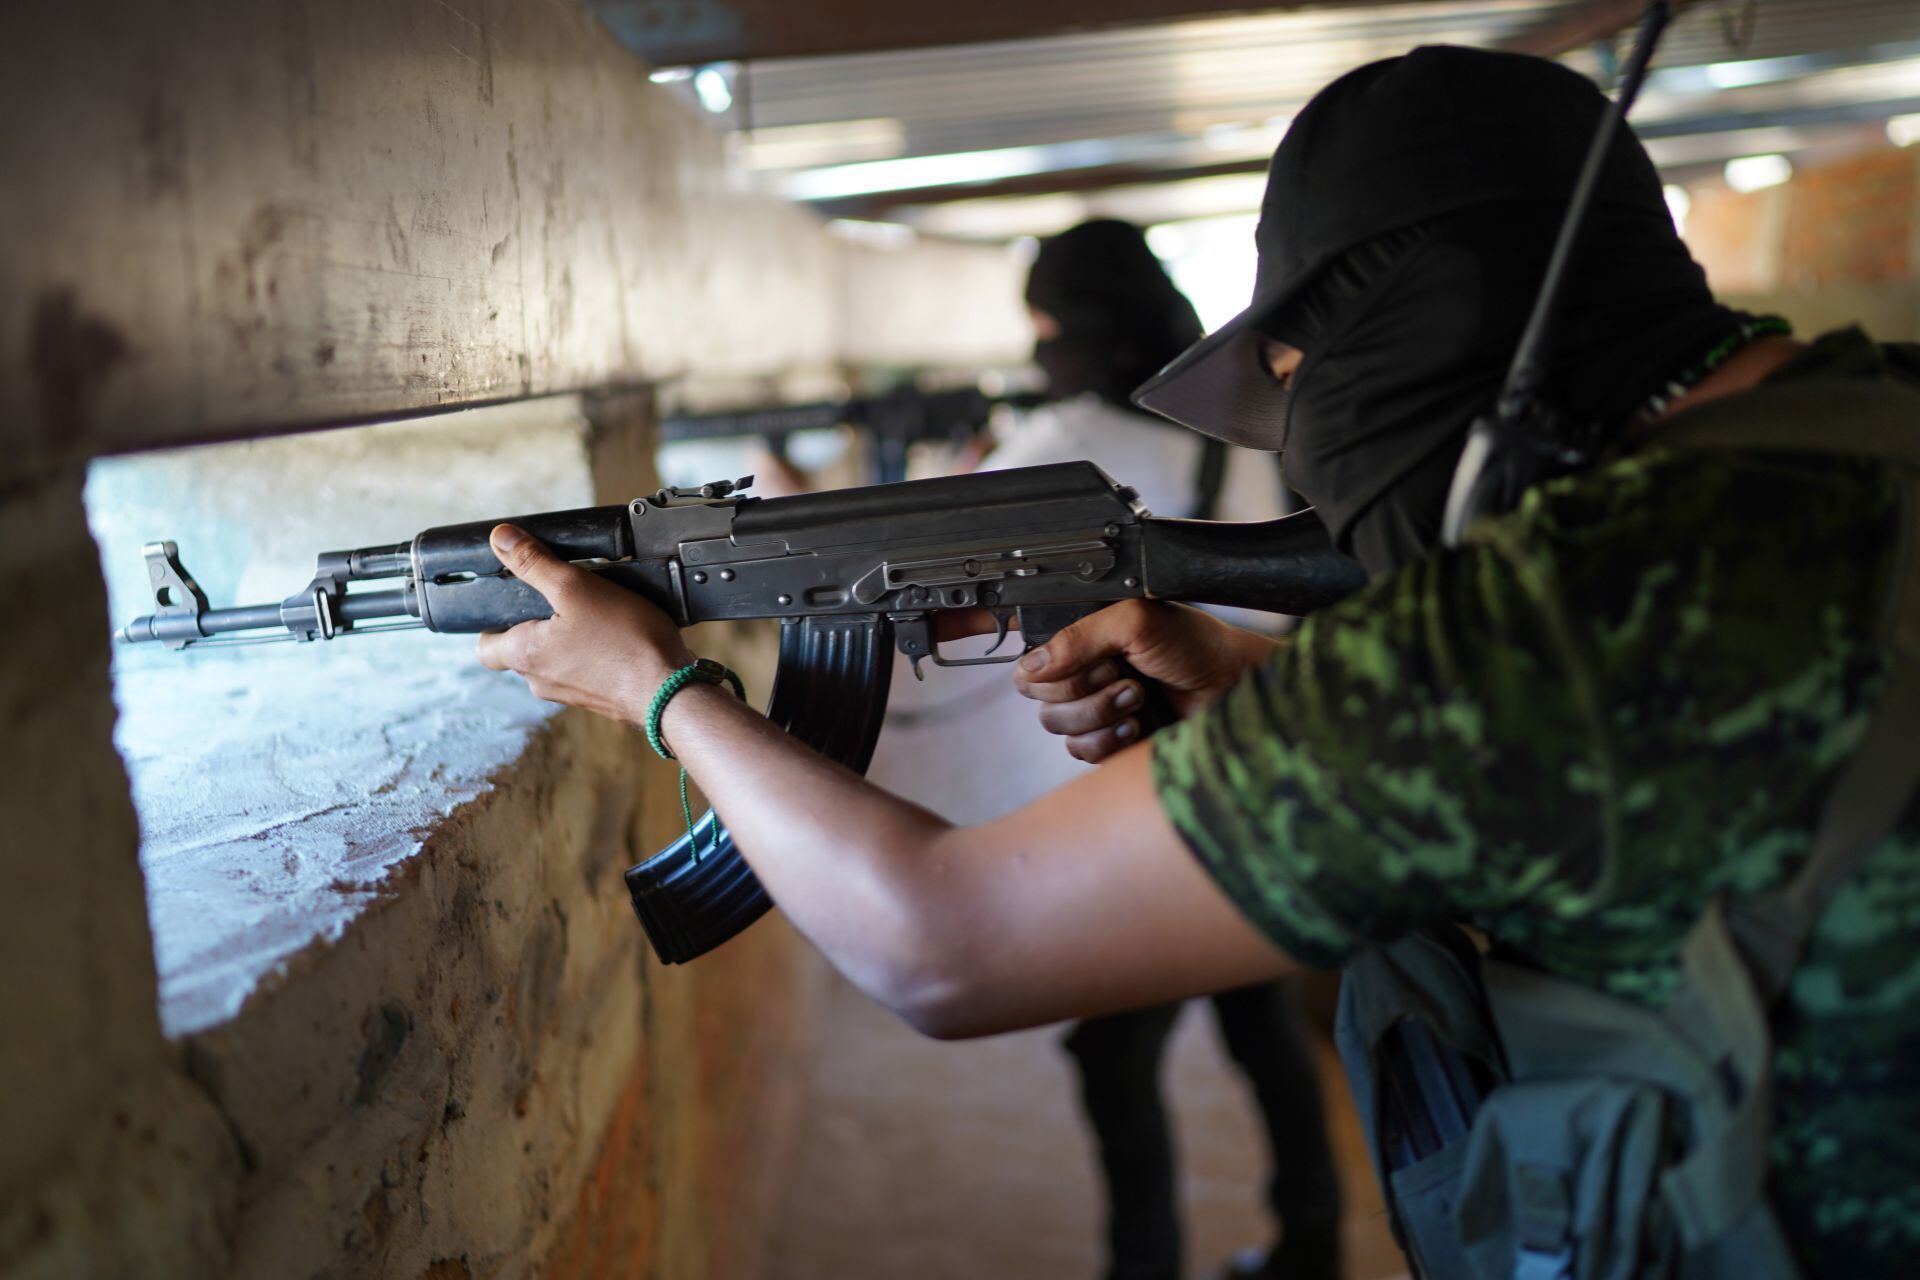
[113, 1163]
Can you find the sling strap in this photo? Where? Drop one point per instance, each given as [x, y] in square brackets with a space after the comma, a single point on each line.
[1209, 477]
[1848, 417]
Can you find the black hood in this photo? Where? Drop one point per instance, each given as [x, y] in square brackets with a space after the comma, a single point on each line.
[1376, 415]
[1408, 220]
[1120, 315]
[1393, 145]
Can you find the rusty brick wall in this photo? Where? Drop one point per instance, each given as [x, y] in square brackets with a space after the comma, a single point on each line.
[1853, 222]
[1735, 237]
[1838, 244]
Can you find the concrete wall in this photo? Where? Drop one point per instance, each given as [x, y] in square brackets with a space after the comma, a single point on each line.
[105, 1137]
[414, 1030]
[932, 302]
[230, 218]
[1839, 244]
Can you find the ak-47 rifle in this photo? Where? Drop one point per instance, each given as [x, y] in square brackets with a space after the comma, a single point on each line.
[893, 423]
[850, 574]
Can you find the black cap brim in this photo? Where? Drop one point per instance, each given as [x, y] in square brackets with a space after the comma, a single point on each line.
[1220, 386]
[1392, 145]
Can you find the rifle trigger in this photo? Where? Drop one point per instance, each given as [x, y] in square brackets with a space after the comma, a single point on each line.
[1003, 619]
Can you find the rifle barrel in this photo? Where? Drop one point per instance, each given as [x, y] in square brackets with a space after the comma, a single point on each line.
[394, 561]
[362, 606]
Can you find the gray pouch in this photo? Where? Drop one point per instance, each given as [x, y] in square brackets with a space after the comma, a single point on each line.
[1561, 1180]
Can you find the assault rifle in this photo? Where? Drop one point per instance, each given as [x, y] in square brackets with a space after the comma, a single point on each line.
[850, 574]
[893, 423]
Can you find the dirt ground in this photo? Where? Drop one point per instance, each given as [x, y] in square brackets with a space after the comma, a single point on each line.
[950, 1161]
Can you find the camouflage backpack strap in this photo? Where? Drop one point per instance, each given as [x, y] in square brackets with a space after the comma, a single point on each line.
[1730, 988]
[1848, 416]
[1853, 417]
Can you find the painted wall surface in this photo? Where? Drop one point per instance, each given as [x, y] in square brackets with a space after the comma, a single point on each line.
[110, 1159]
[932, 303]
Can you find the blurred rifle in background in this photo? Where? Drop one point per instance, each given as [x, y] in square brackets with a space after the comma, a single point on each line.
[892, 423]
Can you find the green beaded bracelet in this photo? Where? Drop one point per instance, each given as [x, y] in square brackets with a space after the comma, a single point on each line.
[702, 671]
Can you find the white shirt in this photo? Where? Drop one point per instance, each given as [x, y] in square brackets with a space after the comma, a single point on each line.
[1155, 457]
[964, 744]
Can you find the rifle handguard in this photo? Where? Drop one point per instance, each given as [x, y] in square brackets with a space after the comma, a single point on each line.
[830, 691]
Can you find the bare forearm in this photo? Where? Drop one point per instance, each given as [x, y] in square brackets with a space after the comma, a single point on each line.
[1083, 902]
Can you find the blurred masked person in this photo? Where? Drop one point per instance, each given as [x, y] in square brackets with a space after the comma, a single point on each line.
[1106, 317]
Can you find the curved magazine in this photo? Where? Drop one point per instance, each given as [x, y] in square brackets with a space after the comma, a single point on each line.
[830, 692]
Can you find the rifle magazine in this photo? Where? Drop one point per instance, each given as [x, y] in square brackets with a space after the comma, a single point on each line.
[831, 693]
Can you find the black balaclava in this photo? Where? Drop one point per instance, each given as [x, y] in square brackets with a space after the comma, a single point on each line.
[1412, 338]
[1120, 316]
[1409, 214]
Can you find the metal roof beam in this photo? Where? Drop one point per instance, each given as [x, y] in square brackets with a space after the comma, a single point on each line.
[1053, 182]
[1811, 116]
[1592, 22]
[691, 32]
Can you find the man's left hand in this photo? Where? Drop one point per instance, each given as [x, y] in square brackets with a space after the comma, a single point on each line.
[605, 648]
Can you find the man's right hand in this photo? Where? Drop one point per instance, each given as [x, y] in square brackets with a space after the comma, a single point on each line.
[1094, 704]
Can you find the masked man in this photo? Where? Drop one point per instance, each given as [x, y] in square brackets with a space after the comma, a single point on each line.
[1652, 695]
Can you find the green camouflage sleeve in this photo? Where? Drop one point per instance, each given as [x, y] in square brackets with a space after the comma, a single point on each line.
[1581, 779]
[1457, 742]
[1423, 750]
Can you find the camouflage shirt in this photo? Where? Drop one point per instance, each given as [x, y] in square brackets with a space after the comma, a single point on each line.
[1633, 695]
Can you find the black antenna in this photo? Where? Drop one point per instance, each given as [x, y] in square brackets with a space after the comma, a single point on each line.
[1528, 371]
[1523, 442]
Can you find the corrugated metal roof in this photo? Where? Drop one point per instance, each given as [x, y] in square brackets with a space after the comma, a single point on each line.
[1176, 96]
[1178, 76]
